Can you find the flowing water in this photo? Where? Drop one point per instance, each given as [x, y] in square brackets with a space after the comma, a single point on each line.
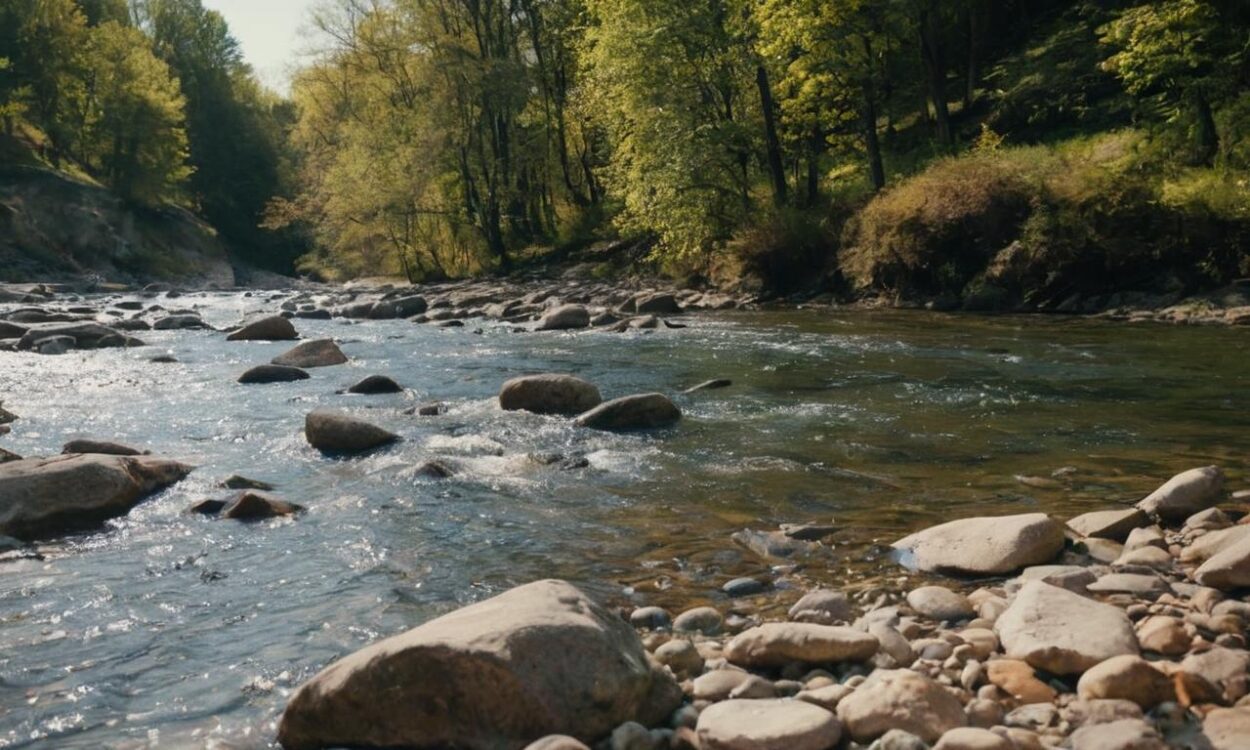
[170, 630]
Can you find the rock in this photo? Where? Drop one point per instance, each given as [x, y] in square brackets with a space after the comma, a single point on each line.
[272, 374]
[1125, 734]
[1080, 712]
[1185, 494]
[208, 507]
[184, 322]
[1144, 557]
[1062, 632]
[434, 469]
[940, 603]
[549, 394]
[1225, 668]
[1137, 584]
[897, 739]
[540, 659]
[681, 656]
[402, 307]
[822, 605]
[772, 543]
[767, 725]
[335, 432]
[986, 545]
[776, 644]
[6, 416]
[1227, 728]
[1109, 524]
[705, 620]
[900, 699]
[1126, 678]
[717, 684]
[557, 742]
[6, 455]
[652, 618]
[252, 505]
[808, 532]
[44, 496]
[1146, 536]
[375, 385]
[709, 385]
[102, 447]
[53, 345]
[1228, 568]
[639, 412]
[565, 317]
[972, 738]
[164, 359]
[236, 482]
[743, 587]
[1017, 679]
[1212, 543]
[1163, 635]
[272, 328]
[662, 303]
[315, 353]
[431, 409]
[85, 335]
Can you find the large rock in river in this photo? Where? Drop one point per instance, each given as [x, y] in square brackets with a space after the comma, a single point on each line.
[85, 335]
[549, 394]
[1185, 494]
[272, 328]
[540, 659]
[1227, 569]
[315, 353]
[641, 412]
[335, 432]
[44, 496]
[1061, 632]
[986, 545]
[565, 317]
[272, 374]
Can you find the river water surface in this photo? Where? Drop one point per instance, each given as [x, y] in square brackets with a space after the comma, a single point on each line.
[170, 630]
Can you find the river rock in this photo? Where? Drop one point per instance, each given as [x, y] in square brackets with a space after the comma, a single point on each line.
[1185, 494]
[900, 699]
[315, 353]
[1212, 543]
[402, 307]
[1227, 728]
[705, 620]
[335, 432]
[236, 482]
[549, 394]
[986, 545]
[252, 505]
[776, 644]
[181, 322]
[1017, 679]
[1062, 632]
[681, 656]
[85, 335]
[557, 742]
[6, 455]
[1226, 668]
[272, 374]
[1163, 635]
[639, 412]
[822, 606]
[100, 446]
[565, 317]
[1227, 569]
[651, 618]
[940, 603]
[717, 684]
[540, 659]
[375, 385]
[1129, 678]
[973, 738]
[272, 328]
[777, 724]
[1125, 734]
[1109, 524]
[44, 496]
[53, 345]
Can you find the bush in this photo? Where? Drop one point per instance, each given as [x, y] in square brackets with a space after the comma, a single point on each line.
[785, 250]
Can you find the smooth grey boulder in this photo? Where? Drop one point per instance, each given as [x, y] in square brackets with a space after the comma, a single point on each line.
[900, 699]
[549, 394]
[640, 412]
[1227, 569]
[985, 545]
[775, 644]
[45, 496]
[272, 328]
[272, 374]
[1062, 632]
[1109, 524]
[332, 431]
[537, 660]
[315, 353]
[180, 322]
[1185, 494]
[656, 302]
[374, 385]
[771, 724]
[565, 317]
[102, 447]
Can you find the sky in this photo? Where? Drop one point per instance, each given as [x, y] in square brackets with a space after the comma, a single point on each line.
[271, 32]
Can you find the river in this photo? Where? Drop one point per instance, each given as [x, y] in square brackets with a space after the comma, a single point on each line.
[171, 630]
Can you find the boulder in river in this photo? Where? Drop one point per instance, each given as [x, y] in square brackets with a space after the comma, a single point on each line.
[1185, 494]
[639, 412]
[101, 446]
[85, 335]
[181, 322]
[1062, 632]
[1114, 524]
[549, 394]
[332, 431]
[662, 303]
[984, 545]
[1227, 569]
[272, 328]
[315, 353]
[45, 496]
[375, 385]
[537, 660]
[565, 317]
[253, 505]
[272, 374]
[236, 482]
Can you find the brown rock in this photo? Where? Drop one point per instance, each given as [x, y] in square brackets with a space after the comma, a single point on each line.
[776, 644]
[1017, 679]
[1128, 678]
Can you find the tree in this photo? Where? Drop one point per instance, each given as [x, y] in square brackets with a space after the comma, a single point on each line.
[1185, 51]
[134, 132]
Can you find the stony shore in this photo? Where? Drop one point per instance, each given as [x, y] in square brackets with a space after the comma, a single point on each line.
[1120, 629]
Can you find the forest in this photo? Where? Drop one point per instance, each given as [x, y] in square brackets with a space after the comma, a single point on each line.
[947, 149]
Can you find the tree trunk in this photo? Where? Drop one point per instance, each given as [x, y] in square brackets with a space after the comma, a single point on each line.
[971, 75]
[772, 143]
[935, 69]
[1207, 138]
[876, 170]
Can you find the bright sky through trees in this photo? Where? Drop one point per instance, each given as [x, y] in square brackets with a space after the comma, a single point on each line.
[271, 33]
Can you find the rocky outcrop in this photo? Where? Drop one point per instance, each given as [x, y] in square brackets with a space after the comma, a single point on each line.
[46, 496]
[984, 545]
[549, 394]
[538, 660]
[641, 412]
[332, 431]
